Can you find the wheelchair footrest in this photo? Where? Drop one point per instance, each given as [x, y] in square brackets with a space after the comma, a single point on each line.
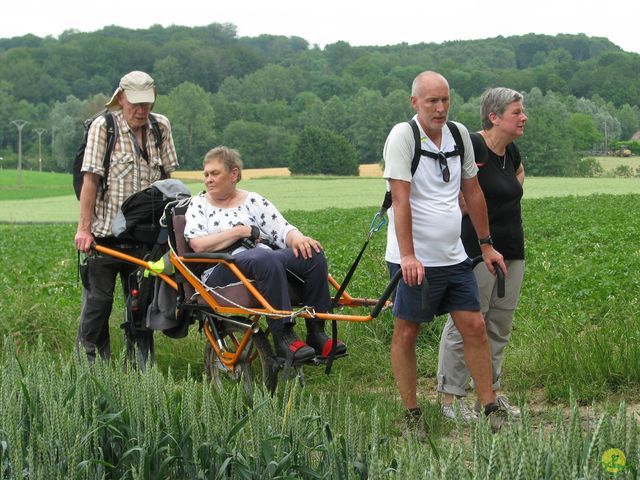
[323, 360]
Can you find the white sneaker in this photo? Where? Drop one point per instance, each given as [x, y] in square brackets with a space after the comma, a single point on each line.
[503, 402]
[458, 411]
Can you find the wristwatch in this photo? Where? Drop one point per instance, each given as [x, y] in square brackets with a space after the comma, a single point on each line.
[486, 240]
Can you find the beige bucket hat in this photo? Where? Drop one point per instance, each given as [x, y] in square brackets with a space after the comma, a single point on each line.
[137, 86]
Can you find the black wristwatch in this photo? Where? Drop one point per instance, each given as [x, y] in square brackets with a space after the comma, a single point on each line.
[486, 240]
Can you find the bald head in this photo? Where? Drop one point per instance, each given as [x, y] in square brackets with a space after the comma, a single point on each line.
[426, 80]
[430, 100]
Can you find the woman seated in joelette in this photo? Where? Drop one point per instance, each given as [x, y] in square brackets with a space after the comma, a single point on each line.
[220, 218]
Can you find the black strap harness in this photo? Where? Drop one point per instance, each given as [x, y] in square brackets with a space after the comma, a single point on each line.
[418, 152]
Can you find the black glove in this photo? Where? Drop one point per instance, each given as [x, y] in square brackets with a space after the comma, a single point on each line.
[250, 242]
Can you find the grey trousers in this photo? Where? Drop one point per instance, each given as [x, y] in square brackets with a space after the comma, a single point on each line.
[453, 374]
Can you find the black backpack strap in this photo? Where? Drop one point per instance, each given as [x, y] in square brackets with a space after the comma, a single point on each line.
[386, 203]
[417, 150]
[459, 150]
[157, 134]
[111, 142]
[417, 153]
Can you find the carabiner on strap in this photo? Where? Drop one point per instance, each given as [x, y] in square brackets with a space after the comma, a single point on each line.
[379, 220]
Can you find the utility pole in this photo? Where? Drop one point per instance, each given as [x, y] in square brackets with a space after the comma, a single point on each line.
[40, 131]
[20, 125]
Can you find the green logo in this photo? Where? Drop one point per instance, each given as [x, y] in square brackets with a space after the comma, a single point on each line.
[614, 461]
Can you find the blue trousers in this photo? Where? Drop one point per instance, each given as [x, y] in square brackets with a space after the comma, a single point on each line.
[269, 270]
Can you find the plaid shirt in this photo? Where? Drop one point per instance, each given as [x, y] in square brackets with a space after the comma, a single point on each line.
[129, 172]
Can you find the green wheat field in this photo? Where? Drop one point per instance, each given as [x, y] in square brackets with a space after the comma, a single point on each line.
[572, 363]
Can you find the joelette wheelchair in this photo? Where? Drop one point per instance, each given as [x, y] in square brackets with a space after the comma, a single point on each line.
[238, 343]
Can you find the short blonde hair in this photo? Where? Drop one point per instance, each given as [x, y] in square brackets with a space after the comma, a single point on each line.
[230, 158]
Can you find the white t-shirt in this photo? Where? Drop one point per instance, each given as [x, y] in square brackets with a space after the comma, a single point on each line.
[436, 217]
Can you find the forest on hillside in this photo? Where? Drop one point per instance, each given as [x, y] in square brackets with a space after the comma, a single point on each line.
[278, 98]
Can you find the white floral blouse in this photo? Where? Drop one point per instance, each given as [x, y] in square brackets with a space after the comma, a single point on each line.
[202, 218]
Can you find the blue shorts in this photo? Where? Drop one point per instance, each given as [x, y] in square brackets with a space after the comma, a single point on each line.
[451, 288]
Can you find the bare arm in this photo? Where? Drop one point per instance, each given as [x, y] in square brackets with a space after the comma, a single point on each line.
[476, 205]
[520, 174]
[218, 241]
[462, 204]
[84, 238]
[477, 209]
[412, 268]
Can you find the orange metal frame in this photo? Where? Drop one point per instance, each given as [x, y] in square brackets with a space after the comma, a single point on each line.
[230, 359]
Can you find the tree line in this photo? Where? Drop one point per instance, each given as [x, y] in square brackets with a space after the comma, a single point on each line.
[284, 102]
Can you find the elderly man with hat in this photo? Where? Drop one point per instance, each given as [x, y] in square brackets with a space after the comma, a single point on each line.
[135, 163]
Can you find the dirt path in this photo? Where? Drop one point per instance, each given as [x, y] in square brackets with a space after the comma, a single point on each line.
[543, 413]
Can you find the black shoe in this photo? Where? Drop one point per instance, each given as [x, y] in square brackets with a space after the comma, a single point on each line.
[414, 425]
[497, 416]
[322, 343]
[289, 345]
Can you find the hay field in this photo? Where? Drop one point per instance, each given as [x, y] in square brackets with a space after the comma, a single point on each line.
[370, 170]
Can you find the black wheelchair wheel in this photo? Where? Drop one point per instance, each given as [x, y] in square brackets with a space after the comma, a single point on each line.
[139, 344]
[257, 363]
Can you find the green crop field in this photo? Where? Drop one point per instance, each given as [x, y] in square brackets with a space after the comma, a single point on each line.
[572, 365]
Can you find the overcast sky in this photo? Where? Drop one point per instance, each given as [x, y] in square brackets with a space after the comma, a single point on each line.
[386, 22]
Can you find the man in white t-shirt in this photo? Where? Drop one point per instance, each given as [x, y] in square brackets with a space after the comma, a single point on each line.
[423, 240]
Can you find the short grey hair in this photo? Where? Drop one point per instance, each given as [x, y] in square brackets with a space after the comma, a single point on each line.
[230, 158]
[496, 100]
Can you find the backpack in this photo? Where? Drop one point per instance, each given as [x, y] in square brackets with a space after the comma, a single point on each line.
[139, 215]
[78, 175]
[418, 152]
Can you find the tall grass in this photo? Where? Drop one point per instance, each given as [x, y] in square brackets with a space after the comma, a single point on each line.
[62, 419]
